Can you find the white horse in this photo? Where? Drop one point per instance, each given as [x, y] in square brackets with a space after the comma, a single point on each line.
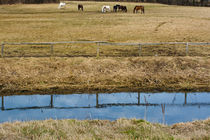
[105, 8]
[62, 5]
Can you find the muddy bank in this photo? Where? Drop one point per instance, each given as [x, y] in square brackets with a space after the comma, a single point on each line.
[79, 74]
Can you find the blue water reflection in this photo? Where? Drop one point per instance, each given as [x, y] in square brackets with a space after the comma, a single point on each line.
[166, 108]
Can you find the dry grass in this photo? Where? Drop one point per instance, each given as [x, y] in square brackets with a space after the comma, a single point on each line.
[103, 129]
[105, 74]
[47, 23]
[192, 130]
[161, 23]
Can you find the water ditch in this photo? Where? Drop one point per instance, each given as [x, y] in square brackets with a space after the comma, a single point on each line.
[167, 108]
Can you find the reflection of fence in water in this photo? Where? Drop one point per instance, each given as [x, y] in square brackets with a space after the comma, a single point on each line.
[103, 105]
[146, 104]
[99, 43]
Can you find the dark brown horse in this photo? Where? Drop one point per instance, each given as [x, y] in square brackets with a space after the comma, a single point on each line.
[138, 7]
[80, 6]
[123, 8]
[116, 8]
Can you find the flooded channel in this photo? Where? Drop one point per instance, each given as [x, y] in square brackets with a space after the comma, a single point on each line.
[167, 108]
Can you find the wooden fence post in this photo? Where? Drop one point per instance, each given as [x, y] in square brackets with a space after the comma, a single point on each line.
[138, 98]
[51, 101]
[2, 103]
[185, 98]
[97, 100]
[139, 49]
[187, 48]
[2, 50]
[51, 50]
[98, 51]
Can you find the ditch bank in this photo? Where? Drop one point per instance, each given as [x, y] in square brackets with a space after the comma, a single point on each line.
[103, 129]
[80, 74]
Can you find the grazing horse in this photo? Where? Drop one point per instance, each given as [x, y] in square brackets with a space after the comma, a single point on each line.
[116, 7]
[138, 7]
[105, 8]
[62, 5]
[123, 8]
[80, 7]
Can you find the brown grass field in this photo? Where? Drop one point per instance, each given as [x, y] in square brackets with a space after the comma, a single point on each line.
[103, 129]
[47, 23]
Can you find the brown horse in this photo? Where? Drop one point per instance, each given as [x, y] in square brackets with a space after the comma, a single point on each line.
[138, 7]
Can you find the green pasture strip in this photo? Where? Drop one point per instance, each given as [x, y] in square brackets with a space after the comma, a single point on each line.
[104, 129]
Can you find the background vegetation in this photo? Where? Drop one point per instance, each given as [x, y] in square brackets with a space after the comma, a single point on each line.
[28, 1]
[174, 2]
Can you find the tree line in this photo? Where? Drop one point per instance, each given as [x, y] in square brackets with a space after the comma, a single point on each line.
[28, 1]
[170, 2]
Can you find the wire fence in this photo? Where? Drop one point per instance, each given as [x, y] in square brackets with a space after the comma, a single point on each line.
[100, 45]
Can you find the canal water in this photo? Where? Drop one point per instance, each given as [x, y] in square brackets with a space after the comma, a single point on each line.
[167, 108]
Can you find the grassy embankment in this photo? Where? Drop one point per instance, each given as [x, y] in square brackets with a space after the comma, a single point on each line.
[102, 129]
[161, 23]
[64, 75]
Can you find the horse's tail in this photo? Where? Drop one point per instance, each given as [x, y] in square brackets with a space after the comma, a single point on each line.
[143, 9]
[134, 9]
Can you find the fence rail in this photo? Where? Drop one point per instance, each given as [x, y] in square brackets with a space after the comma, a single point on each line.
[103, 43]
